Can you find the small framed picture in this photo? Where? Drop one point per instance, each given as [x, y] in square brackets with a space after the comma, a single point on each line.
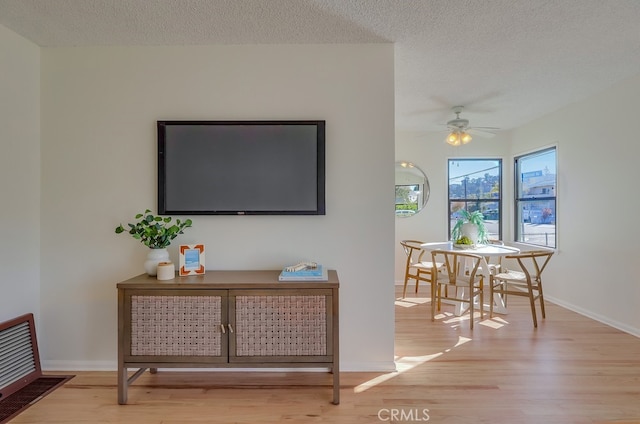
[191, 259]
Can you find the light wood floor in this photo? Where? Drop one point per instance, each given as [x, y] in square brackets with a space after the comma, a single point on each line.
[570, 370]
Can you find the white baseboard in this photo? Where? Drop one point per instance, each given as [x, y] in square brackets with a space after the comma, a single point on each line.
[60, 365]
[368, 366]
[589, 314]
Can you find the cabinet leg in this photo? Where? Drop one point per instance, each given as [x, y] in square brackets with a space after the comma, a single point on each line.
[153, 370]
[122, 385]
[336, 387]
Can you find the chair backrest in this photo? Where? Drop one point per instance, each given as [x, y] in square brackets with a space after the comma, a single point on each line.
[458, 266]
[413, 250]
[533, 262]
[496, 262]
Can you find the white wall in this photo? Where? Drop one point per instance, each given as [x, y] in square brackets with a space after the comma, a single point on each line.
[595, 270]
[19, 176]
[99, 108]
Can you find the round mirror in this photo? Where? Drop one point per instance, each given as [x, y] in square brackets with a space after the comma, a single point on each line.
[412, 189]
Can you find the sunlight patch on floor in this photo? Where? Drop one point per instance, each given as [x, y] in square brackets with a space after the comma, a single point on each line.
[404, 364]
[407, 363]
[413, 301]
[456, 319]
[462, 340]
[495, 323]
[443, 315]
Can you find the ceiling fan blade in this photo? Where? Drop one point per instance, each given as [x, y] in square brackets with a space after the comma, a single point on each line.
[459, 124]
[485, 128]
[480, 133]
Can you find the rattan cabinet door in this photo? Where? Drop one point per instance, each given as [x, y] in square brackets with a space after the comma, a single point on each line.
[186, 326]
[292, 326]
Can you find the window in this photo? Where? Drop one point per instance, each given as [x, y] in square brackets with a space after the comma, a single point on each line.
[407, 199]
[535, 191]
[475, 184]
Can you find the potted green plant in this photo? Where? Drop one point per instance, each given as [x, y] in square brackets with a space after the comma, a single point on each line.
[470, 225]
[155, 232]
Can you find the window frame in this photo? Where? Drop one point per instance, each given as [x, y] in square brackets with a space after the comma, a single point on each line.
[468, 200]
[544, 196]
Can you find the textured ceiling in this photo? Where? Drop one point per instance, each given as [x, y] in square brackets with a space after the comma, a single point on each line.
[507, 61]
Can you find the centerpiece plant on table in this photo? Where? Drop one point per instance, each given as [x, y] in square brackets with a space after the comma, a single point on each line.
[155, 232]
[469, 229]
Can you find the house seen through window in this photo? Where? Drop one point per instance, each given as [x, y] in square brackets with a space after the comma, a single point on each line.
[535, 202]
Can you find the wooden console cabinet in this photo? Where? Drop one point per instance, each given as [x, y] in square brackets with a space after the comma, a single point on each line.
[244, 319]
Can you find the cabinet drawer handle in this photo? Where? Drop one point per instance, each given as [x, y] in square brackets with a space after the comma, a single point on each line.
[230, 329]
[222, 329]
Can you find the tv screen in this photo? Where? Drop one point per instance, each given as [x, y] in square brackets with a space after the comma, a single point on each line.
[241, 167]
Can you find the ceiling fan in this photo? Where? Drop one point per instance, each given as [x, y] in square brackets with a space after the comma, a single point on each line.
[460, 132]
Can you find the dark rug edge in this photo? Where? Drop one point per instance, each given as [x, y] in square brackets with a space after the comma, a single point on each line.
[32, 400]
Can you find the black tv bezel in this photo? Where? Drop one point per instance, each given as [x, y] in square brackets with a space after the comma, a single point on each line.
[320, 158]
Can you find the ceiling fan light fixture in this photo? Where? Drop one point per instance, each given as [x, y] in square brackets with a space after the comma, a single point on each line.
[454, 138]
[458, 128]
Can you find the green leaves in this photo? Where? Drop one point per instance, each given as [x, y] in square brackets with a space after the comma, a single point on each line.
[476, 218]
[153, 231]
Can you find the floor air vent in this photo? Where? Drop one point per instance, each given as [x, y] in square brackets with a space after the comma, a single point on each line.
[19, 359]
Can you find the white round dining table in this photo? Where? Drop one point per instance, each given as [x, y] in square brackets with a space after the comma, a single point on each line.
[485, 251]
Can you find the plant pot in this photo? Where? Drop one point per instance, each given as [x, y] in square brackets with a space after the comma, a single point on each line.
[154, 257]
[470, 230]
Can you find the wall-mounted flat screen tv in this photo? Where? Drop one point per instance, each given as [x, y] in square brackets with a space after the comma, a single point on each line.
[241, 167]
